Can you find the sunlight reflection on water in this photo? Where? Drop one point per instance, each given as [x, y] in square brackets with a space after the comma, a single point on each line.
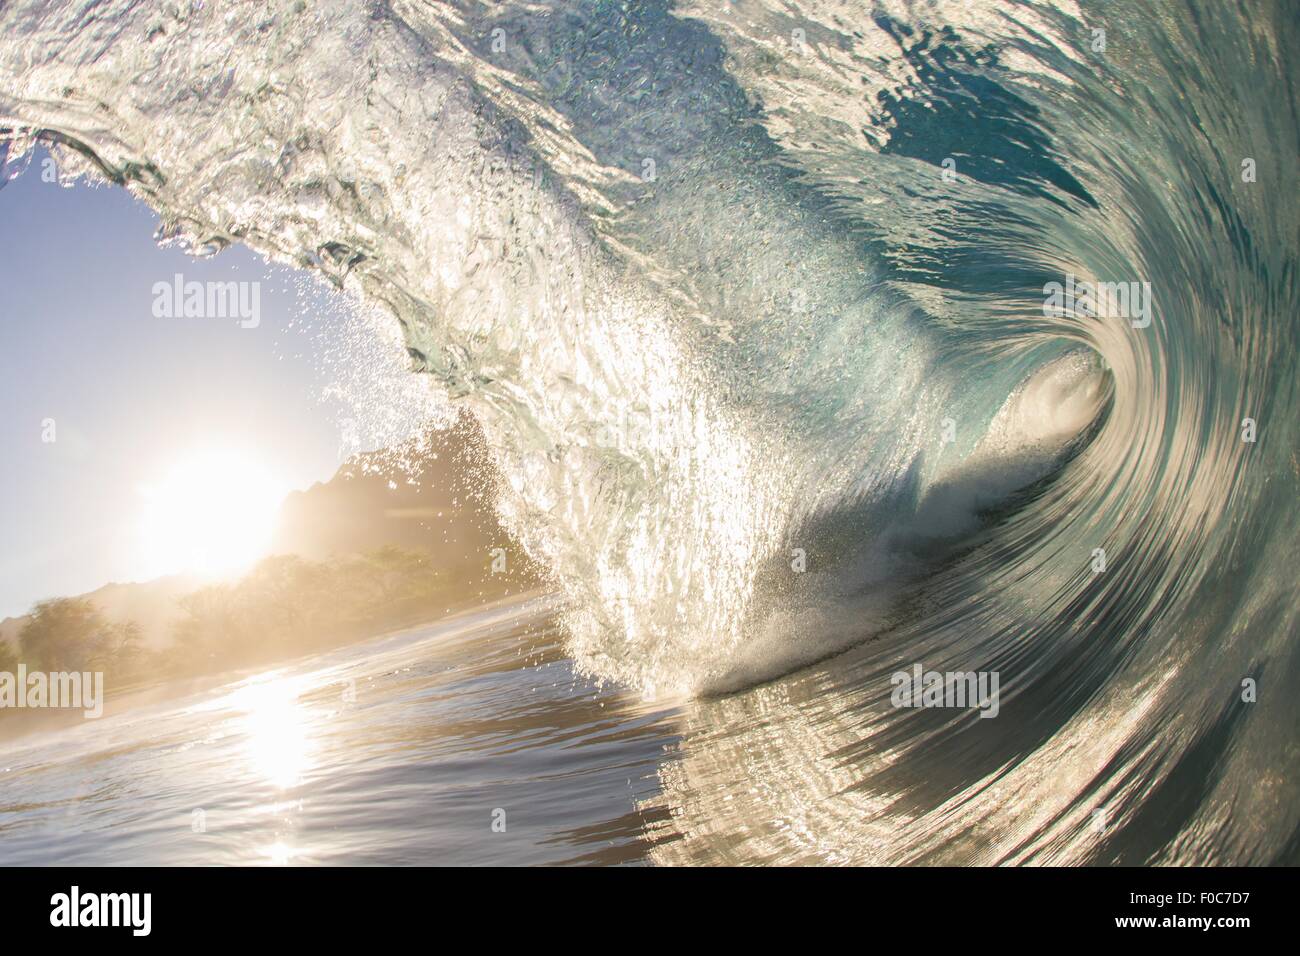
[278, 743]
[389, 752]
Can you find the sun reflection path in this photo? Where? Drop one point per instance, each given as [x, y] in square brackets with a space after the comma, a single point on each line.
[276, 725]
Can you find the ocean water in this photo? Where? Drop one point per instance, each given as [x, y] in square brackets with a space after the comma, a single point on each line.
[753, 302]
[470, 741]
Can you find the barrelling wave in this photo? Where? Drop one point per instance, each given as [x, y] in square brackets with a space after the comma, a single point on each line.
[760, 308]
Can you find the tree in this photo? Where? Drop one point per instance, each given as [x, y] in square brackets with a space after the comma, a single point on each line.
[212, 624]
[8, 658]
[396, 574]
[119, 646]
[64, 634]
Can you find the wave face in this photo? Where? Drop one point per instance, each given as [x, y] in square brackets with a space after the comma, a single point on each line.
[752, 300]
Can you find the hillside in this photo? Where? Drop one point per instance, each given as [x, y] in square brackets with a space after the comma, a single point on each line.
[439, 505]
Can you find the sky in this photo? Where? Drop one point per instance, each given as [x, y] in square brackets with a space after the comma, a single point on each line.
[136, 398]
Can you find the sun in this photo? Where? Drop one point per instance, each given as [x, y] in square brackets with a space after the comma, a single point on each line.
[211, 513]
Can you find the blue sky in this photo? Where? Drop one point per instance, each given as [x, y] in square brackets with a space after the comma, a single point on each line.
[129, 392]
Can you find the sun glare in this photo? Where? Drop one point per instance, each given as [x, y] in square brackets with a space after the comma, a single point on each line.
[212, 513]
[278, 741]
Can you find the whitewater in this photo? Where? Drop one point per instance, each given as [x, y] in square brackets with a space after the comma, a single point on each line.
[752, 301]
